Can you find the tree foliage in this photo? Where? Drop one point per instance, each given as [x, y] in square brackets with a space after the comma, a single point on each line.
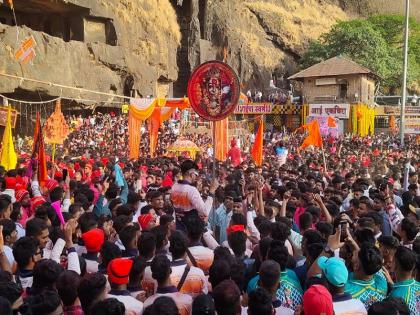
[376, 43]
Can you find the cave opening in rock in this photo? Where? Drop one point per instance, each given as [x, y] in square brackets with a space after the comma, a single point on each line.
[183, 11]
[191, 15]
[60, 19]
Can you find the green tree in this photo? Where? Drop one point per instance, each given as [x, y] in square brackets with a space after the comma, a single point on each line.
[375, 43]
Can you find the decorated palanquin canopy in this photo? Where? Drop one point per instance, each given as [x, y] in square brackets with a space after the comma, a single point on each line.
[56, 129]
[182, 145]
[158, 110]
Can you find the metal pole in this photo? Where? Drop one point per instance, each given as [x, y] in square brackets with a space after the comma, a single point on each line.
[404, 85]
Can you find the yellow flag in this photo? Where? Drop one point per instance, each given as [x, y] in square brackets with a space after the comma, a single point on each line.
[8, 154]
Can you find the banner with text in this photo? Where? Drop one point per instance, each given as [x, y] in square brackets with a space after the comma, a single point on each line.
[341, 111]
[256, 109]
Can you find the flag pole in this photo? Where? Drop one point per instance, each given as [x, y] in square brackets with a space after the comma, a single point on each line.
[323, 158]
[213, 206]
[53, 152]
[404, 79]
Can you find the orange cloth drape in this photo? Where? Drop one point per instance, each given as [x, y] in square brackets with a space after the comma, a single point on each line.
[257, 149]
[181, 103]
[221, 139]
[159, 116]
[140, 110]
[392, 123]
[314, 137]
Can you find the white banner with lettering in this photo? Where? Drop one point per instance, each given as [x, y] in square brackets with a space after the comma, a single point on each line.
[341, 111]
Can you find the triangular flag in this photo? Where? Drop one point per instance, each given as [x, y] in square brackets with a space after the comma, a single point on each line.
[257, 149]
[39, 151]
[331, 122]
[314, 137]
[8, 153]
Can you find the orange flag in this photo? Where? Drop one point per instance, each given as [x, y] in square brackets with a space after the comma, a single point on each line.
[331, 122]
[314, 137]
[39, 151]
[257, 149]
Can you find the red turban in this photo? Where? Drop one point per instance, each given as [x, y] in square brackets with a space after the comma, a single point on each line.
[235, 228]
[93, 240]
[144, 220]
[119, 269]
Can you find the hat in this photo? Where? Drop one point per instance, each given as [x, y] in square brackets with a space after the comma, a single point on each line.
[334, 270]
[144, 220]
[317, 300]
[414, 210]
[10, 182]
[51, 184]
[233, 142]
[167, 180]
[235, 228]
[96, 174]
[20, 194]
[188, 165]
[118, 270]
[36, 202]
[93, 240]
[104, 161]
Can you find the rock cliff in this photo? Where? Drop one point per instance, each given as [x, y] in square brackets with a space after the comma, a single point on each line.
[143, 47]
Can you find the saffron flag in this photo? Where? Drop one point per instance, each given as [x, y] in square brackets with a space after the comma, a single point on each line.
[314, 135]
[331, 123]
[257, 149]
[221, 139]
[8, 154]
[39, 151]
[11, 4]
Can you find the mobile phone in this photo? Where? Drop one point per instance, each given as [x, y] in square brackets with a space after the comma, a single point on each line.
[65, 174]
[343, 227]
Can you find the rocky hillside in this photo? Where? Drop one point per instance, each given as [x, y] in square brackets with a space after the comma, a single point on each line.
[143, 57]
[151, 46]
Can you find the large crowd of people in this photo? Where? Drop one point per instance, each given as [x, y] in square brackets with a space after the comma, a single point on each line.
[332, 231]
[107, 135]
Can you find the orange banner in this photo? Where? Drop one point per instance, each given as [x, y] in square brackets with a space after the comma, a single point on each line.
[221, 139]
[257, 149]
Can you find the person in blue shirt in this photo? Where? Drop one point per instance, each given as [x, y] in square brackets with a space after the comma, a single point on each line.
[289, 294]
[223, 216]
[406, 286]
[379, 207]
[367, 282]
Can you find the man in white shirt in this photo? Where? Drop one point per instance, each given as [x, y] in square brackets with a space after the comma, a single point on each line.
[9, 237]
[161, 271]
[185, 197]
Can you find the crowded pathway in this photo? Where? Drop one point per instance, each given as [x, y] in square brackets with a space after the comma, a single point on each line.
[301, 234]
